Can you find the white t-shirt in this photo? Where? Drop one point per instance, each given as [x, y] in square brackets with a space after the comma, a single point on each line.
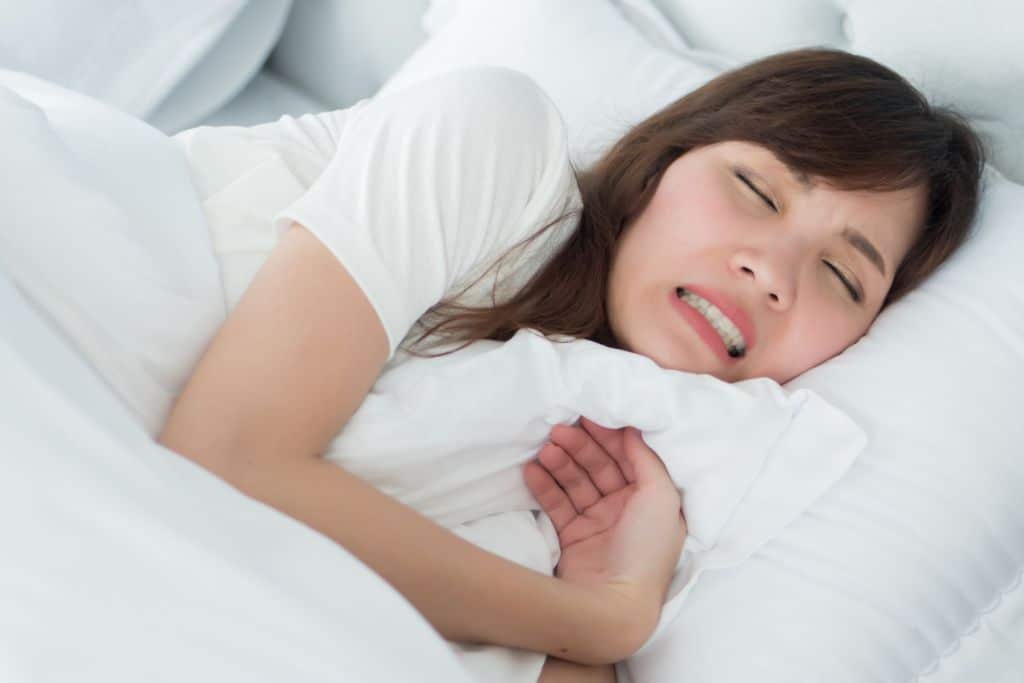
[417, 193]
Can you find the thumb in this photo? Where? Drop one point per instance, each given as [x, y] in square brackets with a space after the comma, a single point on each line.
[645, 465]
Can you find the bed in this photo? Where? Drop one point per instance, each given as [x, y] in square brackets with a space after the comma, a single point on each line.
[124, 561]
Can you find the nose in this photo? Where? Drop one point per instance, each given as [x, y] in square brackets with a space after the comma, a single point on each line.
[773, 272]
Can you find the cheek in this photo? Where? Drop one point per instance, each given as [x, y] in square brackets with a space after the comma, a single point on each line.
[822, 334]
[695, 210]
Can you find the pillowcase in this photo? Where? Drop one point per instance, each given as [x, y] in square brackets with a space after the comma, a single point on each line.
[890, 570]
[600, 71]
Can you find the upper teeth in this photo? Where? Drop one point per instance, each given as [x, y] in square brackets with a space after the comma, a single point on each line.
[727, 330]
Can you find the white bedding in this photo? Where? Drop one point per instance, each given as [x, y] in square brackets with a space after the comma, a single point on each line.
[449, 435]
[133, 292]
[829, 598]
[125, 562]
[121, 560]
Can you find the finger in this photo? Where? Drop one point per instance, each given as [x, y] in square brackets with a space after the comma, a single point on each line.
[600, 466]
[570, 476]
[549, 494]
[653, 476]
[611, 440]
[648, 467]
[641, 463]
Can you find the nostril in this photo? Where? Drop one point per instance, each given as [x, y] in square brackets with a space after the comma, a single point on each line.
[746, 270]
[775, 297]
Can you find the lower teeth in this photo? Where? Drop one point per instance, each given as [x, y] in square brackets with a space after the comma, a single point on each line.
[734, 351]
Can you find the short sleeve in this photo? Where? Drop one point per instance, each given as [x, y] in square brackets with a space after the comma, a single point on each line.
[432, 183]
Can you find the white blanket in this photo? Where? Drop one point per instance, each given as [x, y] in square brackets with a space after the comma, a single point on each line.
[449, 435]
[122, 561]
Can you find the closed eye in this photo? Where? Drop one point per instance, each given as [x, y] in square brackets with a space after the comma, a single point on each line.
[753, 188]
[854, 293]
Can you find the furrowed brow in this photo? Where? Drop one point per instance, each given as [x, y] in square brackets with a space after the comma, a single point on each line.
[862, 244]
[854, 237]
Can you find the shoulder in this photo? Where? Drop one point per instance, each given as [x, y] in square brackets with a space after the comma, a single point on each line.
[490, 146]
[502, 91]
[498, 105]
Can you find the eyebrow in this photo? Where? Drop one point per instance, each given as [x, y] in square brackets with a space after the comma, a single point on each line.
[800, 177]
[862, 244]
[855, 238]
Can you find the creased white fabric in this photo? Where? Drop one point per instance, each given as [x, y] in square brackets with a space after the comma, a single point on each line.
[122, 561]
[449, 435]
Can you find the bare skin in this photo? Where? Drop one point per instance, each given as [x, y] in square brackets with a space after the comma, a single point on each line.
[784, 256]
[582, 478]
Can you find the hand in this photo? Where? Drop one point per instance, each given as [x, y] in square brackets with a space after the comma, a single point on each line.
[615, 508]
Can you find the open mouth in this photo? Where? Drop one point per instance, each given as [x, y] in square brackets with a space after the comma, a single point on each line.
[731, 336]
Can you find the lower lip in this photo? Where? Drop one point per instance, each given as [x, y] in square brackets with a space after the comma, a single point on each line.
[703, 327]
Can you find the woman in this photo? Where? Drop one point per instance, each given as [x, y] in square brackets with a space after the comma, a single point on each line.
[753, 228]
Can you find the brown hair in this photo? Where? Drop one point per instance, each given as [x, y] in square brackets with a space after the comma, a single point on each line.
[826, 113]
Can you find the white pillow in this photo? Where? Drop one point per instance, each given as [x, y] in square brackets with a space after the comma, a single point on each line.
[103, 231]
[126, 53]
[885, 575]
[882, 577]
[225, 69]
[961, 53]
[341, 51]
[600, 71]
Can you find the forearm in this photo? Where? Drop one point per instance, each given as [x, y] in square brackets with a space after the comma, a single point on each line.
[468, 594]
[560, 671]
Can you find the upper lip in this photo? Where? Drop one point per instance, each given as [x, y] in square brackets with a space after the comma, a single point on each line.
[732, 310]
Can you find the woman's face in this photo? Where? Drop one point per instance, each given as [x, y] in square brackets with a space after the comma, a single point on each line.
[730, 225]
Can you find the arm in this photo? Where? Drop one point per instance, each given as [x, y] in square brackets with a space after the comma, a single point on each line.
[583, 479]
[289, 367]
